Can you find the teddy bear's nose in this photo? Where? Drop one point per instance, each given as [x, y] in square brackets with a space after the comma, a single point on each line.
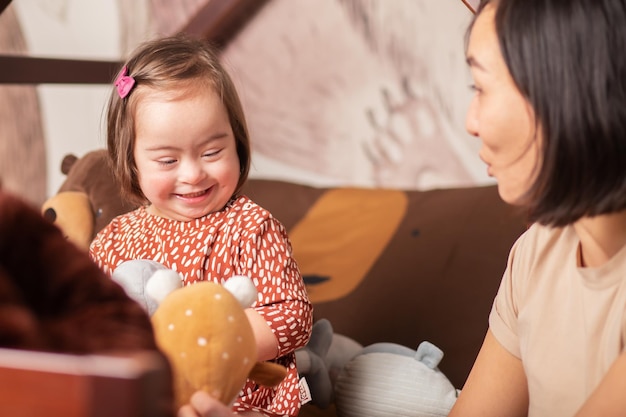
[50, 214]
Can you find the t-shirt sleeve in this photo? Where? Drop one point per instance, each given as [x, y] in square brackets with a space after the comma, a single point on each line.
[283, 300]
[503, 319]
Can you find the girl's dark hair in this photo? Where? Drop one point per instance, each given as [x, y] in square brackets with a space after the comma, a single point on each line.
[168, 64]
[568, 59]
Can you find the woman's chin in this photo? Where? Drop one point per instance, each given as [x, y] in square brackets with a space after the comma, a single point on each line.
[509, 195]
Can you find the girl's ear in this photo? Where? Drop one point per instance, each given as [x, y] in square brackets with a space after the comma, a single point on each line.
[471, 4]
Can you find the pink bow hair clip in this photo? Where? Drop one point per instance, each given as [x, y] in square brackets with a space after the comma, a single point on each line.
[124, 83]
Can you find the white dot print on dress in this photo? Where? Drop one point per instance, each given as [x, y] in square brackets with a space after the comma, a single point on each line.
[202, 341]
[171, 327]
[188, 312]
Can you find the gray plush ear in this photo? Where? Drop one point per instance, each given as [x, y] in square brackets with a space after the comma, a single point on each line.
[133, 276]
[429, 354]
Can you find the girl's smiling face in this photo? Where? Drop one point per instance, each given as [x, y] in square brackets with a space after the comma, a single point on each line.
[185, 152]
[500, 115]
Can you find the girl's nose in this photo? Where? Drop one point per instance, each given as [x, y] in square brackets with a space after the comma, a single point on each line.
[191, 172]
[471, 118]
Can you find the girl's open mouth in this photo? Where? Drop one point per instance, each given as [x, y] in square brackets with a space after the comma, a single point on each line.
[194, 195]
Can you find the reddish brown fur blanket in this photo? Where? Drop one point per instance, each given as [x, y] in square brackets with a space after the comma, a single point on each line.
[53, 298]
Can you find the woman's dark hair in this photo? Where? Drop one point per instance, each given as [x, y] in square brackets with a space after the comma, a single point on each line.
[568, 58]
[170, 63]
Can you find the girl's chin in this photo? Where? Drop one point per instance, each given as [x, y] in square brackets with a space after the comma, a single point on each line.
[193, 213]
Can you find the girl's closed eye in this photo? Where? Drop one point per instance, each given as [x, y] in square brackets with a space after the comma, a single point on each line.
[166, 162]
[212, 153]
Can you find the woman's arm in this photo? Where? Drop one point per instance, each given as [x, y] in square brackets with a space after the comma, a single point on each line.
[609, 397]
[496, 385]
[202, 404]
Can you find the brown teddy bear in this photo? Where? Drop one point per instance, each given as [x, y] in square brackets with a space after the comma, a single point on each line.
[88, 199]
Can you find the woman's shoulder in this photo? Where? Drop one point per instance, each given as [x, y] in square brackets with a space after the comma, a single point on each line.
[540, 242]
[541, 235]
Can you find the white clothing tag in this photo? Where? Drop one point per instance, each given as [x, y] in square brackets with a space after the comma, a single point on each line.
[305, 393]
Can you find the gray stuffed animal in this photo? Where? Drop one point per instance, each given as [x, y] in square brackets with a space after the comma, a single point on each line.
[322, 359]
[134, 276]
[387, 379]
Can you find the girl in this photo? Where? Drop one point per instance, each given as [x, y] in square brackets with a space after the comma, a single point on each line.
[179, 146]
[550, 110]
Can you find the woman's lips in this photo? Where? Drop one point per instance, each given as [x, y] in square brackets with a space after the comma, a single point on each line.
[489, 169]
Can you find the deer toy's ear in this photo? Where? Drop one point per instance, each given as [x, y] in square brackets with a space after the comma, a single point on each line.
[471, 4]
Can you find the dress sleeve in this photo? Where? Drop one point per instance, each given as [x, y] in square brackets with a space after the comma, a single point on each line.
[100, 249]
[97, 253]
[266, 254]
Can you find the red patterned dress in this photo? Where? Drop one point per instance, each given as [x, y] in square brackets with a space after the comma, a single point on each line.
[241, 239]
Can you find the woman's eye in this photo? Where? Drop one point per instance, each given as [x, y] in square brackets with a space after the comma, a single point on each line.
[475, 88]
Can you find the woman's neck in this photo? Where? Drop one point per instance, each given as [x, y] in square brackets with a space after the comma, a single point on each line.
[601, 237]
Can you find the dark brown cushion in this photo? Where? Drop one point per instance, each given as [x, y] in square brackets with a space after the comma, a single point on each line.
[433, 261]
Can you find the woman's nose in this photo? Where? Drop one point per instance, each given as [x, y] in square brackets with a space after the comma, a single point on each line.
[471, 118]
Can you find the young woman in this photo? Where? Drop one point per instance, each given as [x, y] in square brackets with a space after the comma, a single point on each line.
[550, 110]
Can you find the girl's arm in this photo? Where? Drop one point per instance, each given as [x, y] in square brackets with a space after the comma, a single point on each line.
[496, 385]
[282, 320]
[608, 399]
[267, 344]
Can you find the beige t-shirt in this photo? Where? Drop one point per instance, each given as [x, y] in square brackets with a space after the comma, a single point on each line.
[566, 323]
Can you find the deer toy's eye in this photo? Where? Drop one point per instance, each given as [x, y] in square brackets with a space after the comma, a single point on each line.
[50, 214]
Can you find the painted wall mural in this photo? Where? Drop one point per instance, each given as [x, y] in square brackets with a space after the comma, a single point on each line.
[358, 92]
[366, 93]
[22, 149]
